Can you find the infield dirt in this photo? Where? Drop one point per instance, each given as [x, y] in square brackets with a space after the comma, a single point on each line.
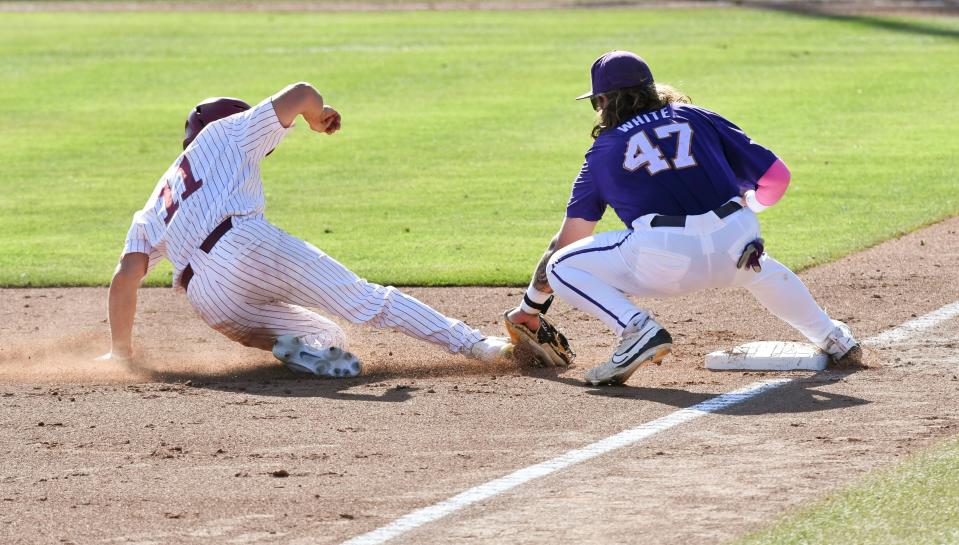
[206, 441]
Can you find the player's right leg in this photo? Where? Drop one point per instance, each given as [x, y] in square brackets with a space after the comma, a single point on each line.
[305, 341]
[316, 359]
[784, 295]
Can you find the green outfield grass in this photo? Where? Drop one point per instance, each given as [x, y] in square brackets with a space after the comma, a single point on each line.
[916, 503]
[460, 133]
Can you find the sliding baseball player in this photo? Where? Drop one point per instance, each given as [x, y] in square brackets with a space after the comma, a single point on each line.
[246, 278]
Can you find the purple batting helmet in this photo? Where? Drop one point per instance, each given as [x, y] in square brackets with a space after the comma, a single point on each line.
[209, 111]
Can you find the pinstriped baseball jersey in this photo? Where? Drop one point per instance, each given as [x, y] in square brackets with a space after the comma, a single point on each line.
[217, 176]
[256, 281]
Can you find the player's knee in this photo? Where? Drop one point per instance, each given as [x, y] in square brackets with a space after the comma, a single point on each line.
[370, 289]
[361, 301]
[772, 272]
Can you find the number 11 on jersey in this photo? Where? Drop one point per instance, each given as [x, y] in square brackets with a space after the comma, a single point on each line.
[640, 151]
[190, 185]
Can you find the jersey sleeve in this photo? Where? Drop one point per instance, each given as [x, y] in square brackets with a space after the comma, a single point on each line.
[138, 241]
[257, 131]
[585, 201]
[748, 160]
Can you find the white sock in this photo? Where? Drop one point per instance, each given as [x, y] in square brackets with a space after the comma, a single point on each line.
[636, 324]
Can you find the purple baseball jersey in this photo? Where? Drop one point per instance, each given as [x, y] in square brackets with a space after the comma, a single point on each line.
[680, 160]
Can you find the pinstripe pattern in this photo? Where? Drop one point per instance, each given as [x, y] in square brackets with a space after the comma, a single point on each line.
[257, 281]
[255, 284]
[225, 158]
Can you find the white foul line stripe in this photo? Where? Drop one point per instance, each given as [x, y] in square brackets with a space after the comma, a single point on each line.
[915, 326]
[492, 488]
[487, 490]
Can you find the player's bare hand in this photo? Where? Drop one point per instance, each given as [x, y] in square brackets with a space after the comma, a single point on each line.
[326, 121]
[517, 316]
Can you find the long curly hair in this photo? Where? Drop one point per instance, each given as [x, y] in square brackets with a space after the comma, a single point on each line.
[624, 104]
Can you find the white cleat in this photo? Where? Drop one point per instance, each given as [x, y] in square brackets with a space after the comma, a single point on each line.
[648, 345]
[323, 362]
[841, 346]
[492, 349]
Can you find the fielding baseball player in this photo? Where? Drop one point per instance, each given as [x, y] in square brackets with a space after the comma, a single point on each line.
[687, 184]
[246, 278]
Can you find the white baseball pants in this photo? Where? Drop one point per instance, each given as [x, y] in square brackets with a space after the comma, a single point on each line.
[255, 282]
[596, 273]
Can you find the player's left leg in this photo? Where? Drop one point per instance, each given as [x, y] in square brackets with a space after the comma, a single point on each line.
[594, 275]
[297, 272]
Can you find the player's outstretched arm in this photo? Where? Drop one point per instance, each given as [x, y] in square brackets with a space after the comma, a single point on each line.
[531, 332]
[303, 99]
[123, 303]
[572, 230]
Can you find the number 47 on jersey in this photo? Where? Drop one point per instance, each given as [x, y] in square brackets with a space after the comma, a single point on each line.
[641, 152]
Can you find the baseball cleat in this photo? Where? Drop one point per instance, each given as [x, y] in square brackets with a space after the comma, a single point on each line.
[492, 349]
[323, 362]
[841, 346]
[648, 345]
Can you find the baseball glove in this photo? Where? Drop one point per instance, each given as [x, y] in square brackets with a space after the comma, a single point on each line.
[547, 345]
[751, 254]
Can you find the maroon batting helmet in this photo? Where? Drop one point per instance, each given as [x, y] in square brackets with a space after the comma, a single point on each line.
[209, 111]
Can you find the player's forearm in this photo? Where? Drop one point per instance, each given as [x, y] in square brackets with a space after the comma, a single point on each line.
[537, 296]
[540, 282]
[297, 99]
[122, 309]
[573, 230]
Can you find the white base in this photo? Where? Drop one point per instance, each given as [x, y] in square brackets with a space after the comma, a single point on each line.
[769, 356]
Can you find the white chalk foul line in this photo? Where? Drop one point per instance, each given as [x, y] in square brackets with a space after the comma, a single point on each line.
[487, 490]
[492, 488]
[912, 327]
